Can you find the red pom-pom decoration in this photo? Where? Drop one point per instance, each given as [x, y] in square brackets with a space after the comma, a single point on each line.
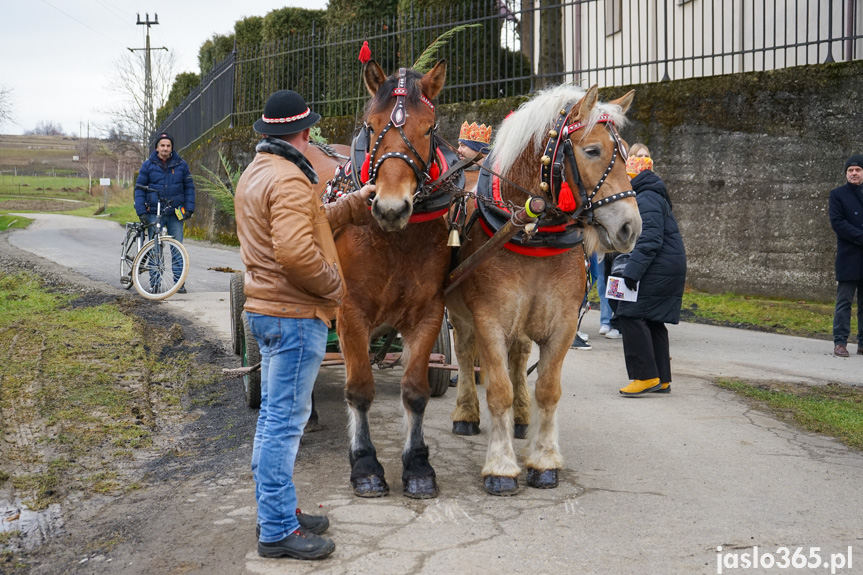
[434, 171]
[565, 199]
[364, 171]
[365, 53]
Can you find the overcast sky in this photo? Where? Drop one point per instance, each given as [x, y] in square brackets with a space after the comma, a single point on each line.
[58, 56]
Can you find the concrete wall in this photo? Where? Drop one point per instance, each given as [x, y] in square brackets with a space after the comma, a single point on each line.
[749, 161]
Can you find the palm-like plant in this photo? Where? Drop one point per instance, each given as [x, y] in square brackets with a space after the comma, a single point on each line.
[222, 192]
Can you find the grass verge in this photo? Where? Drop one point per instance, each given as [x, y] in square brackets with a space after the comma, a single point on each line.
[80, 380]
[833, 409]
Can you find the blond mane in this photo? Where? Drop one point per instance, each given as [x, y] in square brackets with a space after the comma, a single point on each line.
[536, 117]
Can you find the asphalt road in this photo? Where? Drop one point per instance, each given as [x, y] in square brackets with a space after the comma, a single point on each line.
[652, 485]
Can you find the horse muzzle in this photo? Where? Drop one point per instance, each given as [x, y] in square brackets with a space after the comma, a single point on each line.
[392, 214]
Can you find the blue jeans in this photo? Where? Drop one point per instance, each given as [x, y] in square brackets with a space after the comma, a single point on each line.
[170, 223]
[842, 316]
[604, 306]
[291, 354]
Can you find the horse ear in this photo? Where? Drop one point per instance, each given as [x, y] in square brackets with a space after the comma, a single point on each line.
[585, 106]
[624, 101]
[373, 76]
[432, 81]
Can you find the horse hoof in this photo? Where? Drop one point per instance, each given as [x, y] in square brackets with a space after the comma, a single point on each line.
[465, 428]
[312, 426]
[497, 485]
[520, 431]
[542, 479]
[372, 486]
[421, 488]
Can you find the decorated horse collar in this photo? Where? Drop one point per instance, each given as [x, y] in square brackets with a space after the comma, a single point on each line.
[559, 149]
[554, 236]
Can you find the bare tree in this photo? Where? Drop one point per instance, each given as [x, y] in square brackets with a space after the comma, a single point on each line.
[131, 116]
[45, 129]
[5, 105]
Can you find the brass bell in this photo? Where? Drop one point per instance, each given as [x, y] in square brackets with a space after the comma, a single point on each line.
[543, 186]
[552, 133]
[453, 239]
[545, 160]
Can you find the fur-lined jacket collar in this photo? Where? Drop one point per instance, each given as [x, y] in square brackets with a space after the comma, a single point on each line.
[282, 148]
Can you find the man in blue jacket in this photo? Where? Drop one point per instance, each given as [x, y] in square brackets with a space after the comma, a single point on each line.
[846, 218]
[165, 177]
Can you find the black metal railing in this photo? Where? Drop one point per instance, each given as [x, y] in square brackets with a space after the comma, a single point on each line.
[514, 47]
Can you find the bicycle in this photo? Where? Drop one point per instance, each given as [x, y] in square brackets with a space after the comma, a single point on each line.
[144, 263]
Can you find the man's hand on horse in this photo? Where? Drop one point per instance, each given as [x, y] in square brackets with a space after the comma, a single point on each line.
[367, 193]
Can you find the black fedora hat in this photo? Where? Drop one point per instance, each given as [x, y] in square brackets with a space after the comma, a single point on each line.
[285, 113]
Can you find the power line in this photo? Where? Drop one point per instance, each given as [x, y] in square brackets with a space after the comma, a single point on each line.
[113, 11]
[81, 23]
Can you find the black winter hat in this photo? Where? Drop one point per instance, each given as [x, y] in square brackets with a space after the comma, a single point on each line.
[285, 113]
[162, 136]
[855, 160]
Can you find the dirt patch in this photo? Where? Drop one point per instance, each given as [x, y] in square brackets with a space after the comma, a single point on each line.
[39, 205]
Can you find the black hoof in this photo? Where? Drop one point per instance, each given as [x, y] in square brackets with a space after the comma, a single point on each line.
[542, 479]
[465, 428]
[372, 486]
[520, 431]
[421, 488]
[504, 486]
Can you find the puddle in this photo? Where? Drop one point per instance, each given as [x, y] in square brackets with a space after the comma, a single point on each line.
[34, 527]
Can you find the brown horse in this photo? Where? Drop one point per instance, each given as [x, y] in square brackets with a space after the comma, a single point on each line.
[394, 267]
[561, 139]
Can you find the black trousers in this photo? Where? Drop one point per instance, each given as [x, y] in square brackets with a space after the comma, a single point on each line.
[645, 349]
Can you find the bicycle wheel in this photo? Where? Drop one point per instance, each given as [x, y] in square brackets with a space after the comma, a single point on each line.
[160, 269]
[127, 258]
[439, 378]
[251, 355]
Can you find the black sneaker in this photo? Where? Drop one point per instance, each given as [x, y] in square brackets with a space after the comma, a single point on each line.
[317, 524]
[298, 545]
[580, 344]
[182, 289]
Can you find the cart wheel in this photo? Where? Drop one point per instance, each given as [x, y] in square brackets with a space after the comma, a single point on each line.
[238, 300]
[251, 355]
[439, 378]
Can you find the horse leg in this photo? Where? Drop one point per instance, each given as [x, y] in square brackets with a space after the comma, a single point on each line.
[367, 474]
[500, 473]
[465, 418]
[542, 453]
[418, 476]
[519, 354]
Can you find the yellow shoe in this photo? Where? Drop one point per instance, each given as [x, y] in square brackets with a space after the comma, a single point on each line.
[641, 386]
[664, 388]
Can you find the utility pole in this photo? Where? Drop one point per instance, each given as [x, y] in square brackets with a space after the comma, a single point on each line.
[149, 113]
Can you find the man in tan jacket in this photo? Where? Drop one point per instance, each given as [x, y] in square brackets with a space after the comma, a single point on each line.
[293, 286]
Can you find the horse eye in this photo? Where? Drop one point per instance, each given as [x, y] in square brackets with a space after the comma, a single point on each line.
[430, 130]
[593, 151]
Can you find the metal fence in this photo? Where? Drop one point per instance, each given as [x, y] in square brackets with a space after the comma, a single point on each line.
[514, 47]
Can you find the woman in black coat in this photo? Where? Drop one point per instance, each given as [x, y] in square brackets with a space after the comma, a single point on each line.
[658, 268]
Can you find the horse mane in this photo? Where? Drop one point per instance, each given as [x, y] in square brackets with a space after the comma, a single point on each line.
[536, 117]
[385, 93]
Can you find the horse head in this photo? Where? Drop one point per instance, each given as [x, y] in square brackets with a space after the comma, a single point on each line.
[579, 158]
[400, 123]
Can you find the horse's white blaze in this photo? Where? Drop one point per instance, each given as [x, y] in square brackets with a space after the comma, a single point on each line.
[542, 450]
[500, 458]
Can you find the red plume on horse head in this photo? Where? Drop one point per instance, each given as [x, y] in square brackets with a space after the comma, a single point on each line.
[365, 53]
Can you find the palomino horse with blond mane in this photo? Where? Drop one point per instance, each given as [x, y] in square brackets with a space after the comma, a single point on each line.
[394, 266]
[564, 146]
